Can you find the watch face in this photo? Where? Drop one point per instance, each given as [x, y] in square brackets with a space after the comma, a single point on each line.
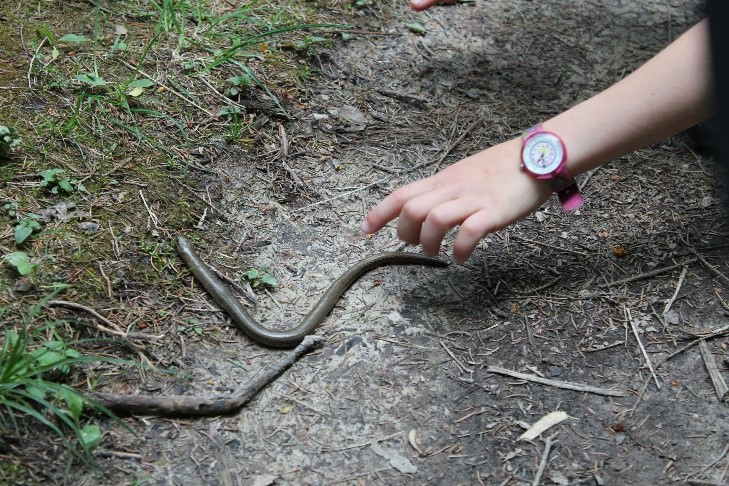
[542, 153]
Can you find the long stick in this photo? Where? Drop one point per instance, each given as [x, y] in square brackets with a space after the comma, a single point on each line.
[198, 406]
[567, 385]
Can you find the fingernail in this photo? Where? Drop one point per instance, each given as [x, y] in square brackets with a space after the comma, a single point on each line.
[366, 228]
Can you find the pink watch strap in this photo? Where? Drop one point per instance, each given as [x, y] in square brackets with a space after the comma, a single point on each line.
[566, 188]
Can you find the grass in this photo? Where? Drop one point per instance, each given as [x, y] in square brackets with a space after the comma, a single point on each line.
[122, 95]
[34, 359]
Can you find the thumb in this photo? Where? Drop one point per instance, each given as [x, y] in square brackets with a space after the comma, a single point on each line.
[419, 5]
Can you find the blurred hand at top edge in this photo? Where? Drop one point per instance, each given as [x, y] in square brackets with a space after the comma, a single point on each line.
[426, 4]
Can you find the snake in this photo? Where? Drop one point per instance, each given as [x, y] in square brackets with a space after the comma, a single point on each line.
[288, 338]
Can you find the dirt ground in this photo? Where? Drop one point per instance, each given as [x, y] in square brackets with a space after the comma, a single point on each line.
[401, 393]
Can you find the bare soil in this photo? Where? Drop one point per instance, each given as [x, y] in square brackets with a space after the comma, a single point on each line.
[401, 394]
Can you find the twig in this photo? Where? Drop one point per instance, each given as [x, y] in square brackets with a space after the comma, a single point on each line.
[152, 216]
[543, 463]
[391, 93]
[547, 245]
[710, 266]
[200, 223]
[567, 385]
[167, 88]
[118, 454]
[716, 379]
[541, 287]
[603, 348]
[712, 464]
[108, 282]
[116, 331]
[675, 294]
[652, 273]
[202, 199]
[340, 196]
[717, 332]
[201, 406]
[35, 54]
[219, 94]
[629, 318]
[460, 365]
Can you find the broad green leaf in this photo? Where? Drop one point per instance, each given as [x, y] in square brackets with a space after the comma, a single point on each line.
[55, 53]
[72, 39]
[49, 358]
[21, 262]
[91, 79]
[22, 232]
[134, 92]
[141, 83]
[269, 279]
[54, 344]
[90, 437]
[65, 185]
[44, 32]
[74, 401]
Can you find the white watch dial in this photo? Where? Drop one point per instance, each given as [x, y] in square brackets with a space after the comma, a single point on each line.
[542, 153]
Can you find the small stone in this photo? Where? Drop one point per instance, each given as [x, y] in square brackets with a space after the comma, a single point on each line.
[89, 227]
[23, 284]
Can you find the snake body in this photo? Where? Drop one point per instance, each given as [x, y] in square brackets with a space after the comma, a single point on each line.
[288, 338]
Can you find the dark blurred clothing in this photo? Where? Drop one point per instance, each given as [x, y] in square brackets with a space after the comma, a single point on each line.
[718, 12]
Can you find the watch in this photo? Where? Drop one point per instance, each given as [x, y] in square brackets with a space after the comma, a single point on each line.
[544, 157]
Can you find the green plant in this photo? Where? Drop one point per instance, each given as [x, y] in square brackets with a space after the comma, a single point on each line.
[25, 228]
[21, 261]
[9, 139]
[30, 365]
[11, 208]
[56, 182]
[260, 278]
[238, 84]
[308, 41]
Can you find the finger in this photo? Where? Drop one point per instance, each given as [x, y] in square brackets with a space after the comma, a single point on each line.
[390, 207]
[414, 212]
[441, 219]
[419, 5]
[472, 230]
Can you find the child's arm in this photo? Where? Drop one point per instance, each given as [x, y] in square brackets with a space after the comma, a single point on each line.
[488, 191]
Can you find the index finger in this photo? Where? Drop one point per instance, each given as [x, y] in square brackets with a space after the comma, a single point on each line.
[390, 207]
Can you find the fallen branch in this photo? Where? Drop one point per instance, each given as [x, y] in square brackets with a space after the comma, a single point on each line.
[200, 406]
[719, 385]
[652, 273]
[567, 385]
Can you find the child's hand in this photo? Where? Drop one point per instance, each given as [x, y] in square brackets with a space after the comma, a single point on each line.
[482, 193]
[426, 4]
